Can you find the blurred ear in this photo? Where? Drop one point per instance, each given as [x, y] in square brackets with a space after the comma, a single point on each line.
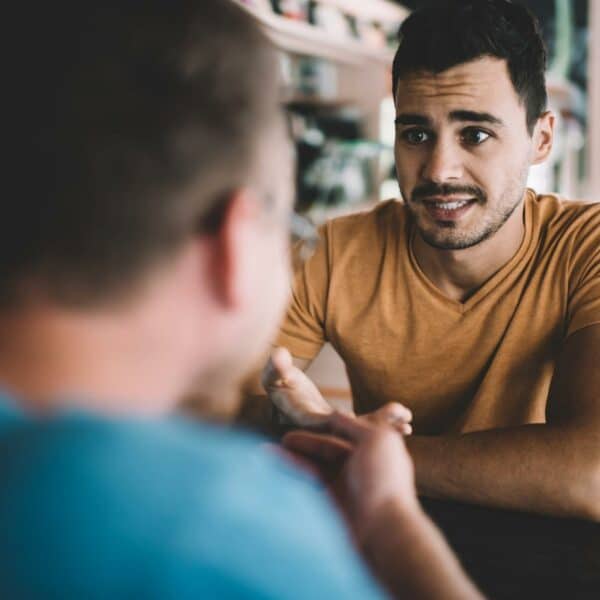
[543, 137]
[233, 259]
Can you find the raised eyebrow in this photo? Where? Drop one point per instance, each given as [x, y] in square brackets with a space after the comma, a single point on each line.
[412, 119]
[474, 116]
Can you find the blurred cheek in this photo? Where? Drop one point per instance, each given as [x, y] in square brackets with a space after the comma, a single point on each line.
[284, 277]
[274, 289]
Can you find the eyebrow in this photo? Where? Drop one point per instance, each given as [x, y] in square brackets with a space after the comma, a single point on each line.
[455, 115]
[411, 119]
[478, 117]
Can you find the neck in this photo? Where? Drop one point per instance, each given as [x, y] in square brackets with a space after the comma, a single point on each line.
[52, 359]
[138, 355]
[460, 273]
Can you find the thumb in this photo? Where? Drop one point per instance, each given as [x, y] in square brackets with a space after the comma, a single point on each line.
[279, 369]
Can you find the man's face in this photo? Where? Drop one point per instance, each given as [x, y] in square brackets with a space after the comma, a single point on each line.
[462, 151]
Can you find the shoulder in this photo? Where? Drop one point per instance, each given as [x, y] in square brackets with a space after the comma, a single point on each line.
[79, 441]
[365, 232]
[384, 214]
[569, 235]
[117, 457]
[211, 506]
[559, 216]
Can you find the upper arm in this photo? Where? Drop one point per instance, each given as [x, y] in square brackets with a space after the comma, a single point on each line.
[303, 329]
[574, 397]
[584, 292]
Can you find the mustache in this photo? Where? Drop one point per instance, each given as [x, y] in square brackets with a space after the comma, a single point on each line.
[430, 188]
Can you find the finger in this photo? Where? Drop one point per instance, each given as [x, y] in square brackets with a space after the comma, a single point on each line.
[317, 446]
[404, 428]
[379, 421]
[279, 369]
[394, 412]
[282, 360]
[398, 412]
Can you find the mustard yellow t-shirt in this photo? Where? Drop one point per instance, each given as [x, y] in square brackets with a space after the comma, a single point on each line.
[484, 363]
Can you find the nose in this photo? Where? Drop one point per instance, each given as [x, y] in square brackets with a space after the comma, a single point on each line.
[442, 163]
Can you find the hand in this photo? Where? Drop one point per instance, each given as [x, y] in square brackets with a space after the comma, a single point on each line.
[293, 392]
[393, 414]
[371, 464]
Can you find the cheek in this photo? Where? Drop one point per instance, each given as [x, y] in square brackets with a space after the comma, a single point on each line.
[407, 168]
[504, 160]
[498, 174]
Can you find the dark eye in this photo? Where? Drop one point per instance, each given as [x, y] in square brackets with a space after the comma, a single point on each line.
[474, 136]
[415, 136]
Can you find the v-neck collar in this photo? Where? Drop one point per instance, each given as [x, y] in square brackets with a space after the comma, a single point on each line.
[493, 282]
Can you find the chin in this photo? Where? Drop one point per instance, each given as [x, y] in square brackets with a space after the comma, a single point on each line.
[452, 235]
[441, 243]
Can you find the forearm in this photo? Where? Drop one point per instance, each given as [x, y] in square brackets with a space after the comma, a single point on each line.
[411, 558]
[541, 468]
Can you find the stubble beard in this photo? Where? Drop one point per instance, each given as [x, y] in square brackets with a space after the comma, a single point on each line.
[448, 235]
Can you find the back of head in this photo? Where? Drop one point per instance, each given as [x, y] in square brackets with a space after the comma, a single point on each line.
[138, 118]
[447, 33]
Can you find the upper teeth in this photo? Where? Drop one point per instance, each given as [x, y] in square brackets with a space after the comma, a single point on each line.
[451, 205]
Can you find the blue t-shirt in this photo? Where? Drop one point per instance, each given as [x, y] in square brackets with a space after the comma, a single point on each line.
[99, 508]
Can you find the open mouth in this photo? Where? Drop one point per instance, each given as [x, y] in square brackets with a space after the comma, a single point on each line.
[448, 210]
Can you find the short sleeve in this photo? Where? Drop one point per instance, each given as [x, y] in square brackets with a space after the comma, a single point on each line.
[303, 329]
[584, 298]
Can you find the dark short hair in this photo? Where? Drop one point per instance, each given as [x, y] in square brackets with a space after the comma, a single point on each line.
[142, 117]
[447, 33]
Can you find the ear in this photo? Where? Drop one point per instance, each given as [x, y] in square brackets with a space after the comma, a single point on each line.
[233, 244]
[543, 137]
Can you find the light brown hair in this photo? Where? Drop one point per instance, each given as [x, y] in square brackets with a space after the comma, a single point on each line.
[146, 115]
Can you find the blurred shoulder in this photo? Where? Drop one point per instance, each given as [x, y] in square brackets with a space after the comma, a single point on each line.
[213, 508]
[107, 452]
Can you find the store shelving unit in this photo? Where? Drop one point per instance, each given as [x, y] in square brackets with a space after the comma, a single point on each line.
[363, 73]
[302, 38]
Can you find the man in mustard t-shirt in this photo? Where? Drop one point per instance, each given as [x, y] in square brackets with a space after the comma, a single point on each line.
[474, 303]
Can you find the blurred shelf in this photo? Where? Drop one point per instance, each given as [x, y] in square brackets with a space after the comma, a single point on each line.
[319, 214]
[301, 38]
[379, 11]
[565, 96]
[316, 102]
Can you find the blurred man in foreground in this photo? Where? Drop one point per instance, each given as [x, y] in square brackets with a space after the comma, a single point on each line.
[146, 251]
